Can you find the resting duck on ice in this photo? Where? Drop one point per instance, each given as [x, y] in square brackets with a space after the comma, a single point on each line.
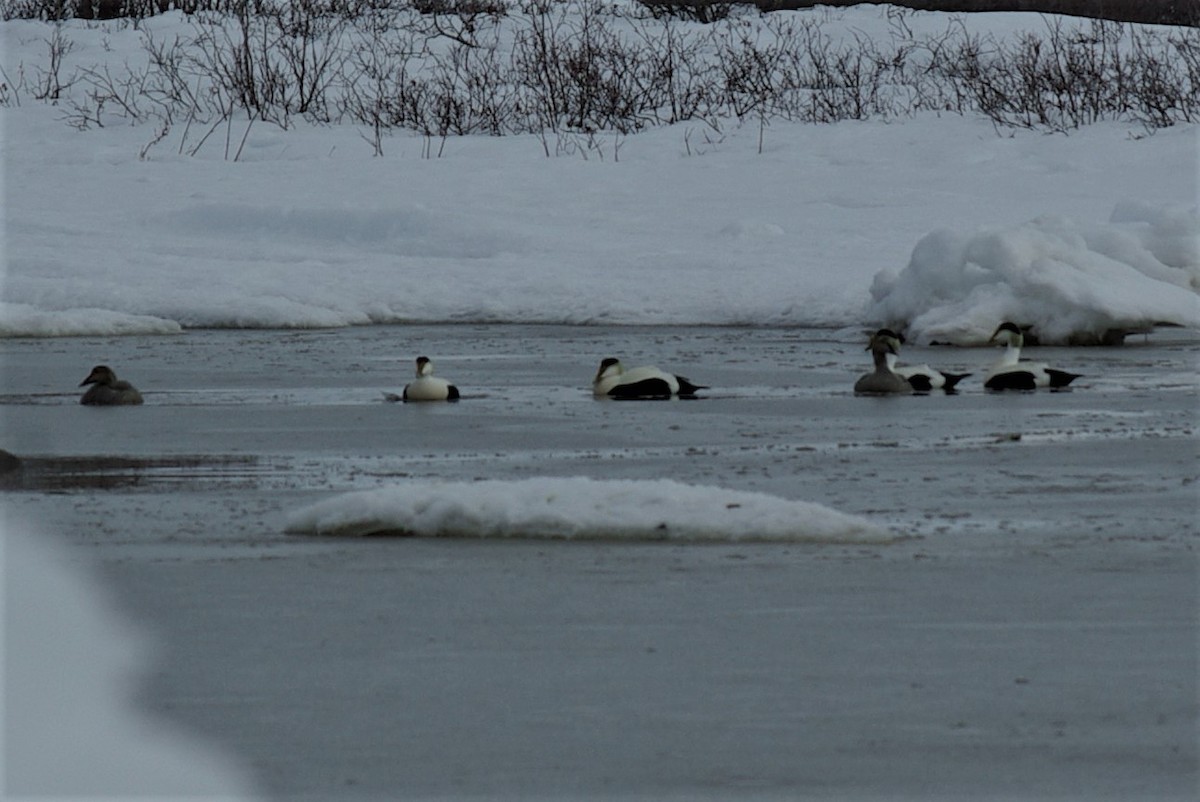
[427, 387]
[614, 381]
[107, 389]
[1009, 373]
[883, 380]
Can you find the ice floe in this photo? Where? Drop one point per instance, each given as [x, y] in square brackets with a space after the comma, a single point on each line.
[578, 508]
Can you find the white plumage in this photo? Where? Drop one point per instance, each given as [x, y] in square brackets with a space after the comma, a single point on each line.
[428, 387]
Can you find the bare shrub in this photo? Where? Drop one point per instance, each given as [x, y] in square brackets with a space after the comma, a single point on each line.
[704, 11]
[574, 69]
[50, 83]
[1074, 77]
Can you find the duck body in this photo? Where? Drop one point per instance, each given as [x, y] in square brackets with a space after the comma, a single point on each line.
[1028, 376]
[107, 389]
[427, 387]
[883, 380]
[924, 379]
[644, 382]
[1010, 373]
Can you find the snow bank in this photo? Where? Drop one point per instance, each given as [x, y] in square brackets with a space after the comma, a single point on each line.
[784, 226]
[580, 508]
[70, 668]
[1070, 282]
[23, 320]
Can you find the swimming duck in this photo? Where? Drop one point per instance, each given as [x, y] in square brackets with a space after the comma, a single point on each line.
[882, 381]
[614, 381]
[1009, 373]
[924, 378]
[428, 387]
[107, 389]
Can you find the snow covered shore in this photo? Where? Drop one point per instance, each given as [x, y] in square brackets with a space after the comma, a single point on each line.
[938, 224]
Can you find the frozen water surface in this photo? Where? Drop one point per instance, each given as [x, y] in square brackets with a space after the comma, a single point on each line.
[1029, 631]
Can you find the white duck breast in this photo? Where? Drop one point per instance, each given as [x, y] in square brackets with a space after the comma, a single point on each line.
[607, 376]
[107, 389]
[1010, 373]
[428, 387]
[647, 382]
[882, 380]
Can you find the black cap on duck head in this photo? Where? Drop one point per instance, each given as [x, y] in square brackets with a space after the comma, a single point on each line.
[1007, 327]
[605, 364]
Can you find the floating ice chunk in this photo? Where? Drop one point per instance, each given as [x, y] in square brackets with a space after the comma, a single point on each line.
[580, 508]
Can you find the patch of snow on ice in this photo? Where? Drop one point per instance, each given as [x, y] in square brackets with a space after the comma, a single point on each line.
[580, 508]
[1068, 281]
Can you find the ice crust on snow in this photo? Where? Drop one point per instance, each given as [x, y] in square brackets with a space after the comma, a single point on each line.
[1068, 282]
[580, 508]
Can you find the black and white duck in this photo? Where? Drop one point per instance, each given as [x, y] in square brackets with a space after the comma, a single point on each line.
[925, 379]
[427, 387]
[645, 382]
[1010, 373]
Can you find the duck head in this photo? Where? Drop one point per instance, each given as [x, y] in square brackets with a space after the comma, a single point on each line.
[609, 367]
[101, 374]
[885, 341]
[890, 333]
[1009, 334]
[424, 366]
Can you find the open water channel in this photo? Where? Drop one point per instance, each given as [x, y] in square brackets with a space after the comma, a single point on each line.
[254, 422]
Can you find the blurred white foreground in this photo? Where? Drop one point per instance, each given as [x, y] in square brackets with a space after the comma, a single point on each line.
[75, 719]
